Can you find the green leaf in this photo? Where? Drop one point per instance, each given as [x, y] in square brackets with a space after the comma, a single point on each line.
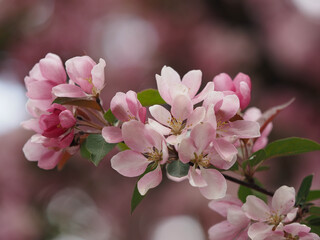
[84, 151]
[284, 147]
[303, 191]
[136, 196]
[110, 117]
[243, 192]
[98, 148]
[178, 169]
[314, 221]
[87, 102]
[122, 146]
[234, 167]
[313, 195]
[150, 97]
[314, 211]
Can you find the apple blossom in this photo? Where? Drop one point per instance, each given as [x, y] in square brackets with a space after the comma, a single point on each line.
[170, 85]
[237, 223]
[269, 218]
[146, 147]
[86, 78]
[199, 151]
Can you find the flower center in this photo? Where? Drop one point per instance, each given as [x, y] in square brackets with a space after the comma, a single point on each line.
[154, 155]
[176, 126]
[275, 220]
[202, 160]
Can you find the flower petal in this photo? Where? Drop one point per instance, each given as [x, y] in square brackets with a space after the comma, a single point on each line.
[112, 134]
[222, 205]
[203, 94]
[283, 199]
[158, 127]
[97, 73]
[182, 107]
[195, 178]
[129, 163]
[217, 185]
[68, 90]
[226, 150]
[256, 209]
[202, 136]
[196, 117]
[192, 80]
[150, 180]
[223, 231]
[223, 82]
[241, 129]
[160, 114]
[186, 150]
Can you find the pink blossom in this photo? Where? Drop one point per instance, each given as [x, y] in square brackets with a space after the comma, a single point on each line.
[241, 86]
[198, 150]
[269, 218]
[125, 107]
[170, 85]
[237, 223]
[48, 152]
[86, 74]
[146, 147]
[221, 107]
[57, 122]
[46, 74]
[299, 231]
[253, 114]
[181, 119]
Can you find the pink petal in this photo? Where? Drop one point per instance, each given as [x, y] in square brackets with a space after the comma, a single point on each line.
[182, 107]
[229, 108]
[260, 231]
[67, 119]
[237, 217]
[129, 163]
[33, 150]
[192, 80]
[226, 150]
[195, 178]
[217, 161]
[142, 114]
[170, 75]
[51, 68]
[130, 131]
[50, 160]
[97, 73]
[252, 114]
[213, 98]
[244, 94]
[223, 231]
[133, 102]
[217, 185]
[163, 88]
[68, 90]
[223, 82]
[256, 209]
[79, 70]
[32, 124]
[203, 94]
[119, 107]
[40, 90]
[186, 150]
[241, 77]
[158, 127]
[296, 228]
[222, 205]
[160, 114]
[283, 199]
[112, 134]
[154, 138]
[150, 180]
[241, 129]
[202, 136]
[196, 117]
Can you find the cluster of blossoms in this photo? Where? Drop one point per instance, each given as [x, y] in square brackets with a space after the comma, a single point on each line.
[201, 133]
[257, 220]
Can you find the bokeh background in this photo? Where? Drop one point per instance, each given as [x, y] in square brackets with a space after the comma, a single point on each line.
[276, 42]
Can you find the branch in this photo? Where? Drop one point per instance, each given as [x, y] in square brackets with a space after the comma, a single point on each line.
[249, 185]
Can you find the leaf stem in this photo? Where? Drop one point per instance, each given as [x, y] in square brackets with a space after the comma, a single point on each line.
[249, 185]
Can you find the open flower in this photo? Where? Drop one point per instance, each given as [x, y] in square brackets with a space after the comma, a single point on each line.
[170, 85]
[237, 223]
[146, 147]
[269, 218]
[198, 151]
[87, 78]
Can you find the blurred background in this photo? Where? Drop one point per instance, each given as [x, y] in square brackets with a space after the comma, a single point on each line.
[277, 43]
